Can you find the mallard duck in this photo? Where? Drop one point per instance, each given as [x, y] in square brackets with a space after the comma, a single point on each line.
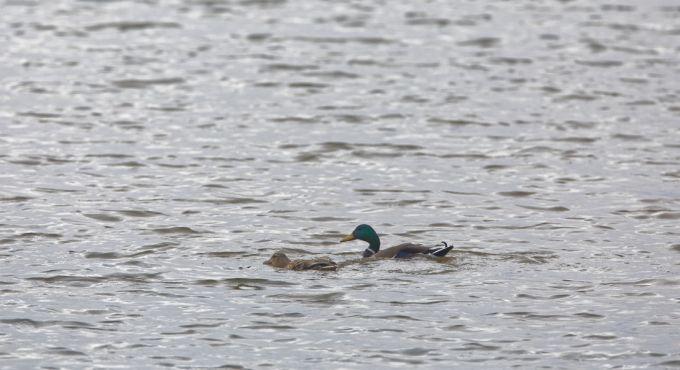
[406, 250]
[279, 259]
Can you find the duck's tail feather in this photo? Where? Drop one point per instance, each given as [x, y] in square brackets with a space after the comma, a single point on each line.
[440, 250]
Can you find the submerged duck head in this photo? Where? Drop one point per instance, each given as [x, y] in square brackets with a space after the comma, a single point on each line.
[366, 233]
[278, 259]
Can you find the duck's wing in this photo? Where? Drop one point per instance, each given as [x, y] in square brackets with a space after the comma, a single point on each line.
[323, 263]
[408, 250]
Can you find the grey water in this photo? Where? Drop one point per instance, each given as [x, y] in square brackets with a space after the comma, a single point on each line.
[154, 153]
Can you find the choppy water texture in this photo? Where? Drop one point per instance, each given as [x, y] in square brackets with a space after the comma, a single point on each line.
[154, 153]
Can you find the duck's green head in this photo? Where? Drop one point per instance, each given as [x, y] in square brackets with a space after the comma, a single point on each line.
[366, 233]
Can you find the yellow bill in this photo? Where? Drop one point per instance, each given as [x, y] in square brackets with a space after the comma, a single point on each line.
[347, 238]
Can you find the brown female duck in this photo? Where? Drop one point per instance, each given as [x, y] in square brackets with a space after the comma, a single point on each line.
[279, 259]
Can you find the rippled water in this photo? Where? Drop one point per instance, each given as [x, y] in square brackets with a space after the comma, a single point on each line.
[154, 153]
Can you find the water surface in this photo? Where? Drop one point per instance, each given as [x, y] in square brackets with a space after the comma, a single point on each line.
[154, 153]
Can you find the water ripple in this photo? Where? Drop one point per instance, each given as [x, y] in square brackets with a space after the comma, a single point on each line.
[154, 156]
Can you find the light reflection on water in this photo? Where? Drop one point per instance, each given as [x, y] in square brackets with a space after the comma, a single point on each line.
[153, 155]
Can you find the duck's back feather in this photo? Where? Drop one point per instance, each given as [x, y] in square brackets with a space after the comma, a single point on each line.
[322, 263]
[407, 250]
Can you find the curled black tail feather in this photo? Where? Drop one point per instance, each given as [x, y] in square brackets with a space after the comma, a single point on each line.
[440, 251]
